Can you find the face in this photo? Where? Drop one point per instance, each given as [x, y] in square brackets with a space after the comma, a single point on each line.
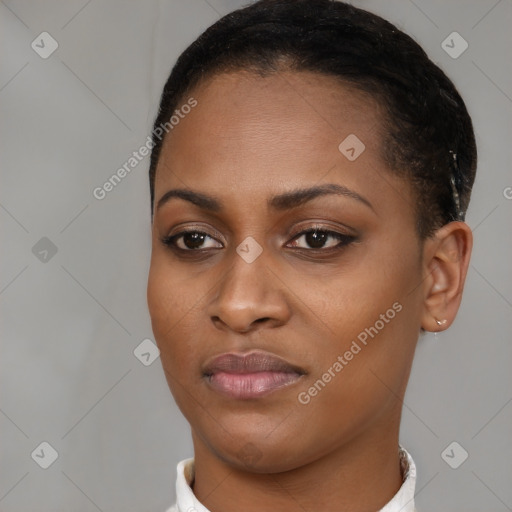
[284, 281]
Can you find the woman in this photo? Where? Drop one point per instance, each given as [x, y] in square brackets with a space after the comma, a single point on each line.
[309, 179]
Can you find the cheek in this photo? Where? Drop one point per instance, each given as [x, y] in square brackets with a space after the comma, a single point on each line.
[162, 302]
[372, 320]
[170, 303]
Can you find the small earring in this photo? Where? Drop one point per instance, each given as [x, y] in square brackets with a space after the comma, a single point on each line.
[438, 322]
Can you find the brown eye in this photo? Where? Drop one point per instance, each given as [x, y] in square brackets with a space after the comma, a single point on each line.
[190, 241]
[321, 239]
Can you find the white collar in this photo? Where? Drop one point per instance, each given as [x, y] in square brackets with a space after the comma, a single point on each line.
[402, 501]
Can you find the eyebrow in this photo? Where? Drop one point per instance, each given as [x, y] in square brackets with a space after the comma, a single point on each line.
[284, 201]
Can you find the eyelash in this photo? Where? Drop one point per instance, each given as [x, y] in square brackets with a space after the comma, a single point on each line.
[344, 241]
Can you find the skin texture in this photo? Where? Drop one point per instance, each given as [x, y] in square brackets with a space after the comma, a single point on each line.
[250, 138]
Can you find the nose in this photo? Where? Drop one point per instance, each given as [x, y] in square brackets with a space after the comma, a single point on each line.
[249, 297]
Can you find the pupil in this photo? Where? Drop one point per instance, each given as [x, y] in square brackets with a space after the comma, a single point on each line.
[195, 239]
[316, 239]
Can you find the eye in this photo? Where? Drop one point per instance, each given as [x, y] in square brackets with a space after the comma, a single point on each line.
[314, 238]
[191, 241]
[322, 239]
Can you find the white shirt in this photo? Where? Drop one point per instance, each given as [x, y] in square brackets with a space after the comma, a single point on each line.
[402, 501]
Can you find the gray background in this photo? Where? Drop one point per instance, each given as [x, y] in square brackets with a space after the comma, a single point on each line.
[71, 323]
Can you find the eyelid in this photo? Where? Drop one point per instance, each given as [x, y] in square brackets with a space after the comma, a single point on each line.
[316, 226]
[322, 226]
[321, 230]
[197, 228]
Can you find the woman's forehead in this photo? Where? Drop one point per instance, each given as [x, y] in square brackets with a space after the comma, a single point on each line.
[260, 135]
[280, 123]
[284, 95]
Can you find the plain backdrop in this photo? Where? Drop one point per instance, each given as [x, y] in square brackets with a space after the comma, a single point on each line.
[74, 268]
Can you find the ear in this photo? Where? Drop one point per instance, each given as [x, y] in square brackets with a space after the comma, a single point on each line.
[446, 258]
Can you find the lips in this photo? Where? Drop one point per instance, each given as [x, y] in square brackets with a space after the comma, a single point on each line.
[251, 375]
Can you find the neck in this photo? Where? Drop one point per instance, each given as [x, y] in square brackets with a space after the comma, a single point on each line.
[361, 475]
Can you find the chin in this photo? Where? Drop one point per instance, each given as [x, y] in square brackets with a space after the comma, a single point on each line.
[256, 458]
[273, 450]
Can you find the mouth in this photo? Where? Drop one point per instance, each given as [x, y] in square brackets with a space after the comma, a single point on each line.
[250, 375]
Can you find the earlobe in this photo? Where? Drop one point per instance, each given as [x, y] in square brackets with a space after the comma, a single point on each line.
[446, 262]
